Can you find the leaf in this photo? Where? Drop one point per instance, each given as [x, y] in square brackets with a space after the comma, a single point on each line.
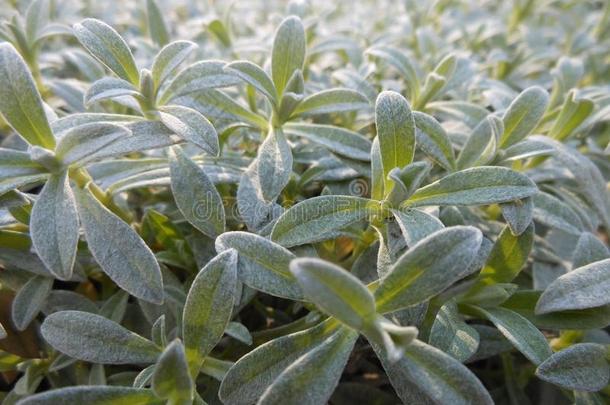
[171, 379]
[250, 376]
[262, 264]
[338, 140]
[54, 226]
[320, 218]
[452, 335]
[20, 102]
[523, 115]
[118, 249]
[169, 58]
[428, 267]
[426, 375]
[581, 367]
[396, 132]
[415, 225]
[288, 51]
[331, 101]
[29, 300]
[584, 287]
[195, 195]
[518, 214]
[93, 338]
[274, 164]
[191, 126]
[335, 291]
[520, 332]
[255, 76]
[553, 212]
[507, 258]
[481, 146]
[475, 186]
[107, 46]
[36, 18]
[203, 75]
[208, 307]
[157, 28]
[524, 303]
[573, 112]
[377, 175]
[588, 249]
[94, 394]
[400, 62]
[80, 144]
[312, 379]
[433, 140]
[525, 149]
[109, 88]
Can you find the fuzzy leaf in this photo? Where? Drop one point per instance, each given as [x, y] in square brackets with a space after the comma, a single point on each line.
[288, 51]
[29, 300]
[518, 214]
[80, 144]
[171, 379]
[156, 23]
[191, 126]
[94, 394]
[553, 212]
[338, 140]
[452, 335]
[332, 101]
[523, 115]
[20, 102]
[93, 338]
[274, 164]
[433, 140]
[255, 76]
[119, 250]
[321, 218]
[169, 58]
[415, 225]
[109, 88]
[208, 307]
[428, 267]
[588, 249]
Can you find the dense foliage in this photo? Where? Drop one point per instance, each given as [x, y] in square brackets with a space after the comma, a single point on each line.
[307, 202]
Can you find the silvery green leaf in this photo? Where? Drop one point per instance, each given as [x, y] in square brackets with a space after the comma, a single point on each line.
[377, 174]
[253, 209]
[253, 373]
[426, 375]
[523, 115]
[80, 144]
[191, 126]
[416, 225]
[574, 111]
[433, 140]
[262, 264]
[338, 140]
[207, 74]
[475, 186]
[171, 379]
[107, 46]
[401, 62]
[54, 226]
[93, 338]
[335, 291]
[444, 255]
[491, 343]
[20, 102]
[14, 163]
[274, 164]
[157, 28]
[520, 332]
[553, 212]
[239, 332]
[143, 378]
[332, 101]
[114, 308]
[581, 367]
[109, 88]
[195, 195]
[61, 300]
[584, 287]
[321, 218]
[396, 132]
[452, 335]
[255, 76]
[208, 307]
[589, 249]
[407, 180]
[93, 394]
[36, 18]
[288, 51]
[312, 378]
[169, 58]
[217, 105]
[518, 214]
[524, 303]
[481, 146]
[119, 250]
[507, 257]
[29, 300]
[525, 149]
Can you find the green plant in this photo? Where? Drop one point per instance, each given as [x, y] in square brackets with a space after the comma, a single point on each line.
[299, 209]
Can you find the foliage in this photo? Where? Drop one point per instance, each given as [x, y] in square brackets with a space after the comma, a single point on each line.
[304, 203]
